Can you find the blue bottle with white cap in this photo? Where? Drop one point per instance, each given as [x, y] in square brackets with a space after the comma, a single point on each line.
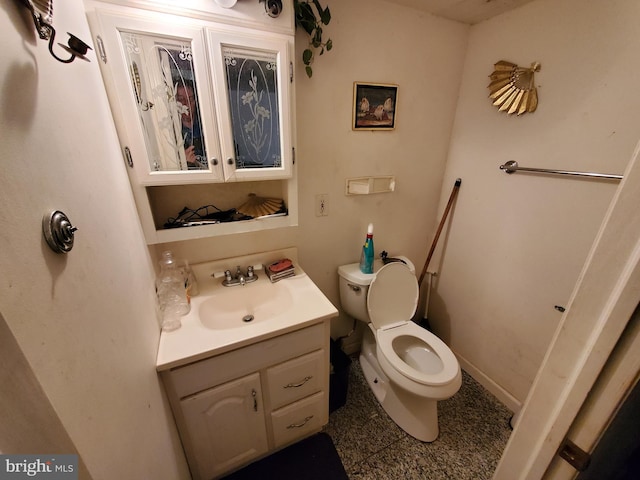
[366, 258]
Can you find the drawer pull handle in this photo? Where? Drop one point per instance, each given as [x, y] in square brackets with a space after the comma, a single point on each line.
[255, 400]
[296, 385]
[301, 424]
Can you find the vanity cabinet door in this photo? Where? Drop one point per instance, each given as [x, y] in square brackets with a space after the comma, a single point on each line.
[158, 80]
[252, 87]
[226, 425]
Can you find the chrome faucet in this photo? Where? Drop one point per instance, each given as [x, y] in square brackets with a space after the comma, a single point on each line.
[239, 278]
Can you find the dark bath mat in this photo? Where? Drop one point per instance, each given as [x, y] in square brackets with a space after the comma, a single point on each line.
[314, 458]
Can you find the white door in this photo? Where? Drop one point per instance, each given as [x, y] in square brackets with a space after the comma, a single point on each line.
[226, 425]
[615, 384]
[606, 294]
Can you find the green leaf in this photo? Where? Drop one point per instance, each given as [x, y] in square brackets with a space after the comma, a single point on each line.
[324, 13]
[306, 19]
[306, 10]
[307, 55]
[318, 6]
[325, 16]
[317, 38]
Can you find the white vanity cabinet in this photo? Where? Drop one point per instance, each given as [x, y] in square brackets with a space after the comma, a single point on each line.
[240, 405]
[201, 101]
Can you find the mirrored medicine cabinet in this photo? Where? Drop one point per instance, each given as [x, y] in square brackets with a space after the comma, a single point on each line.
[202, 103]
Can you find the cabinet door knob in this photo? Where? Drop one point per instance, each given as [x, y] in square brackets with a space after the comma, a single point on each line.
[230, 161]
[214, 161]
[255, 400]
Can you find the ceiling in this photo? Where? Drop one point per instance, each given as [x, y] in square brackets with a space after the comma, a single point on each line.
[465, 11]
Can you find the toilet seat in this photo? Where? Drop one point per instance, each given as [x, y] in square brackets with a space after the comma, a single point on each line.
[391, 302]
[450, 367]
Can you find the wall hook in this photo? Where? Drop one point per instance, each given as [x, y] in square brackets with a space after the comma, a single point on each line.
[42, 13]
[75, 46]
[58, 231]
[273, 7]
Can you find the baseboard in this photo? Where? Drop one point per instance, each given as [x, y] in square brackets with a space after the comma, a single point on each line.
[496, 390]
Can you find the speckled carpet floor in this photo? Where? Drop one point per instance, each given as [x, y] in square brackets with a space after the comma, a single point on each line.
[474, 429]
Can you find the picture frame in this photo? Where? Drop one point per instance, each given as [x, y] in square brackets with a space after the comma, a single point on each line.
[374, 106]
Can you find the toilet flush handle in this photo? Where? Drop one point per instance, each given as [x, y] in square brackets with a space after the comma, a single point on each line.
[355, 288]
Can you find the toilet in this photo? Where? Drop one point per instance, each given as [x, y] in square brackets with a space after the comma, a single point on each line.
[407, 367]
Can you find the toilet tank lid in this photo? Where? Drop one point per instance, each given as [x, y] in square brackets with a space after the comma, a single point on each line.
[352, 273]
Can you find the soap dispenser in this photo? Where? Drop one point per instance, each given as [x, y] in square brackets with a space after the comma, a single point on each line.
[367, 255]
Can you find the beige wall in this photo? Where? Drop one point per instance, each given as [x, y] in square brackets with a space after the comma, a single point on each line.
[424, 56]
[85, 321]
[517, 243]
[29, 423]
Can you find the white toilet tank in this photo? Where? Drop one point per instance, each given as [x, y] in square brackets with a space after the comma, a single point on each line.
[354, 287]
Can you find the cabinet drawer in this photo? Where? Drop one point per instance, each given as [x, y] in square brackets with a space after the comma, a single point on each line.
[213, 371]
[299, 419]
[295, 379]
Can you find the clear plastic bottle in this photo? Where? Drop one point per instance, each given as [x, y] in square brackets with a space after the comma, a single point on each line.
[190, 282]
[172, 295]
[367, 255]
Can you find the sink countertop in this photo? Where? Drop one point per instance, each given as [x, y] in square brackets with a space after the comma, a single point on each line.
[193, 341]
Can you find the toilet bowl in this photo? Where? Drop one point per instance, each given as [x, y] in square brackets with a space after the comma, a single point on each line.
[407, 367]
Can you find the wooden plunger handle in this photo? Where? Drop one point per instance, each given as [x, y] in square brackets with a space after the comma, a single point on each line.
[452, 197]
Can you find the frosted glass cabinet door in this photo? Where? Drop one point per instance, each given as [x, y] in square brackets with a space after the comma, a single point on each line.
[252, 89]
[160, 75]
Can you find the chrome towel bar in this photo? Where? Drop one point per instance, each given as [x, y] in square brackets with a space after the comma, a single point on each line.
[512, 166]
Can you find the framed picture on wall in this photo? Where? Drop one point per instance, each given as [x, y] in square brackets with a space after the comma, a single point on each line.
[374, 106]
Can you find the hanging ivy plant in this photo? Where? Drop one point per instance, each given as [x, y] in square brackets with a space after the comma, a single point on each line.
[311, 16]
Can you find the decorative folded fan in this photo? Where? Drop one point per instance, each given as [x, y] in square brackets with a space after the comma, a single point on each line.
[259, 206]
[512, 87]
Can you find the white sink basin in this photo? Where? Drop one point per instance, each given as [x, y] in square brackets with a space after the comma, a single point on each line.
[239, 306]
[214, 325]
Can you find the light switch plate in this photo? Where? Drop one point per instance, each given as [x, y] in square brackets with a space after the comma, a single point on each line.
[322, 205]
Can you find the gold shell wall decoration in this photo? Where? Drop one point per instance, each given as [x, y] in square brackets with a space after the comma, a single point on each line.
[513, 88]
